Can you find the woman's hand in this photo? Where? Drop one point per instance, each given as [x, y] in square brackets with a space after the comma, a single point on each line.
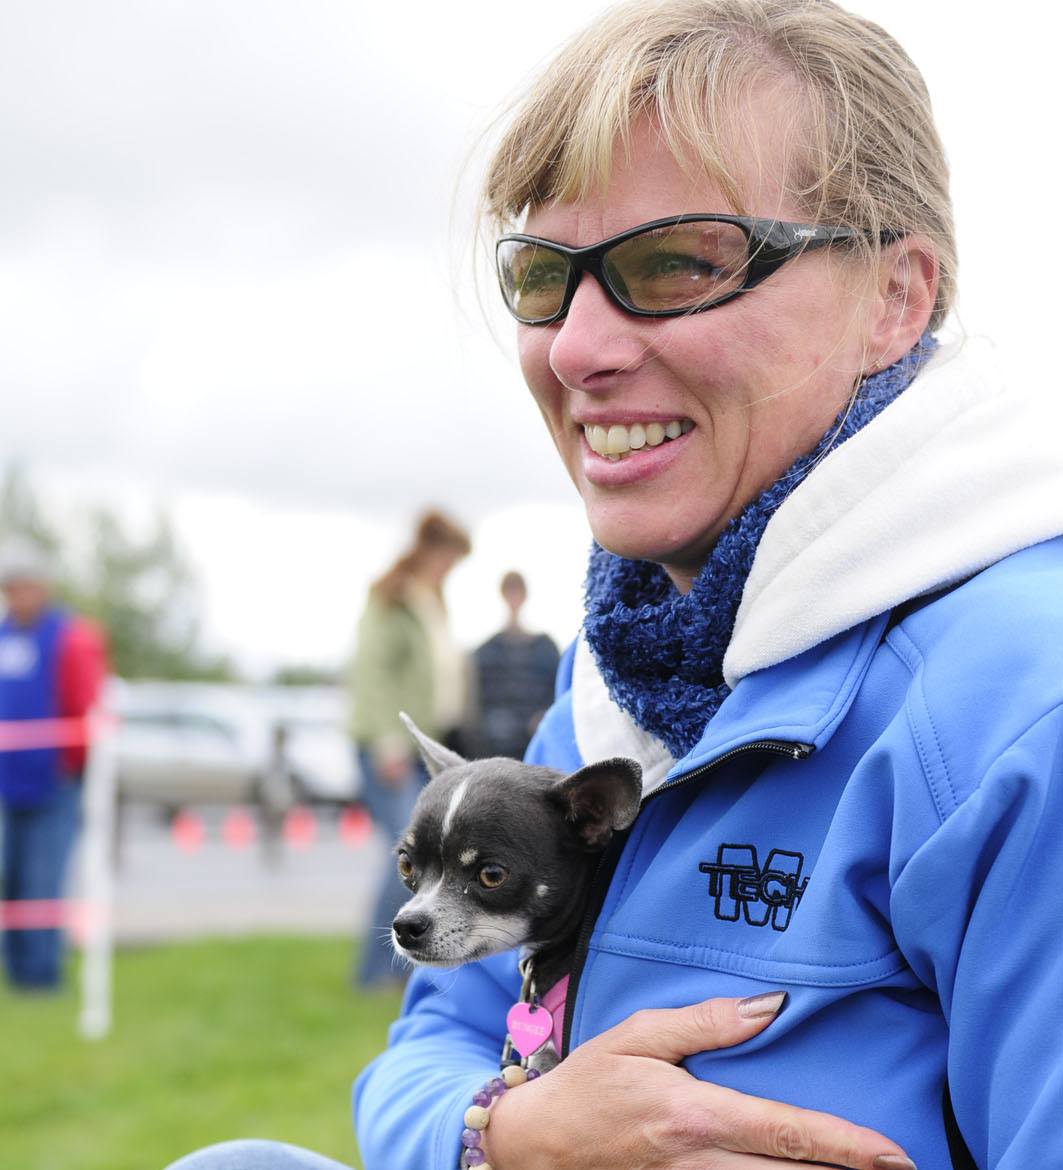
[619, 1102]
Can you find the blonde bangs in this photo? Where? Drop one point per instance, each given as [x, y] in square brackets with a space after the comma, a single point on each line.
[856, 127]
[564, 134]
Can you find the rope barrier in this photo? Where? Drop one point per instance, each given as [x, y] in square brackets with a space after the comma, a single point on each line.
[50, 914]
[24, 735]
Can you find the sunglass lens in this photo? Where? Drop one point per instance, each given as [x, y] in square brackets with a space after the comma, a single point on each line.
[683, 266]
[533, 279]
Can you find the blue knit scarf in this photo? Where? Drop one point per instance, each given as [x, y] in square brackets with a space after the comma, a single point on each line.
[661, 652]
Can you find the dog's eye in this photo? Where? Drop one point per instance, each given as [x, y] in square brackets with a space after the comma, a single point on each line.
[492, 876]
[405, 866]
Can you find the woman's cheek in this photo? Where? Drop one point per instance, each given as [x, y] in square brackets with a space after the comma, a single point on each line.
[534, 355]
[533, 349]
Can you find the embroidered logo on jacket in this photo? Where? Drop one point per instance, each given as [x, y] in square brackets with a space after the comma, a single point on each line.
[738, 886]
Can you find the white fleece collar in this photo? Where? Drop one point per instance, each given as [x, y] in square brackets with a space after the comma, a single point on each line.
[603, 729]
[954, 475]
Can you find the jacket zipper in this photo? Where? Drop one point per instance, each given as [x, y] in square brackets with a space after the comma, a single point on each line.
[603, 875]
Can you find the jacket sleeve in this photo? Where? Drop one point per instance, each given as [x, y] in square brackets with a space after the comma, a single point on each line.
[82, 669]
[977, 911]
[410, 1101]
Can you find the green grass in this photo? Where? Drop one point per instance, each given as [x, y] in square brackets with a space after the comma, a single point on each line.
[215, 1040]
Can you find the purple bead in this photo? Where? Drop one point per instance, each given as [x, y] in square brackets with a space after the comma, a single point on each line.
[533, 1073]
[470, 1138]
[475, 1157]
[496, 1087]
[482, 1098]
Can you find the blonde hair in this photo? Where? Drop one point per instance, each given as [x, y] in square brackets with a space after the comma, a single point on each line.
[864, 150]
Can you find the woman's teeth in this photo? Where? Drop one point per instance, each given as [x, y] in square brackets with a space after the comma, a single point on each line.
[616, 441]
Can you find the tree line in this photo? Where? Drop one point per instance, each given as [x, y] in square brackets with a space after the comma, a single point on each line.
[140, 587]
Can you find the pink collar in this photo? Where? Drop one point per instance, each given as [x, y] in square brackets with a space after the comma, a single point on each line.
[554, 1002]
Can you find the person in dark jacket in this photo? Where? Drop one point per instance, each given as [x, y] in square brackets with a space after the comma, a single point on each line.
[514, 679]
[52, 667]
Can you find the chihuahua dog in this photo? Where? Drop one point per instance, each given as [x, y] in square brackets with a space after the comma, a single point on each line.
[500, 855]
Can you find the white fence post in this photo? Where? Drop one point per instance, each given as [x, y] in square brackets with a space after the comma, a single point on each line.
[98, 879]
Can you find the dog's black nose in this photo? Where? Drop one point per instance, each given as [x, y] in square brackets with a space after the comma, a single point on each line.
[411, 928]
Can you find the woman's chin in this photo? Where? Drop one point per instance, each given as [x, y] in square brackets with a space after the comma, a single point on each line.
[637, 539]
[668, 517]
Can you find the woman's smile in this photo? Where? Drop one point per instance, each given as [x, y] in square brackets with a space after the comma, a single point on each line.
[615, 453]
[616, 440]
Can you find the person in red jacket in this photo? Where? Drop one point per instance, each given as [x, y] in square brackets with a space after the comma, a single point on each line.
[52, 666]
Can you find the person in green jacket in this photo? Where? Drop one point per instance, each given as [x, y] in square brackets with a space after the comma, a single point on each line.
[406, 660]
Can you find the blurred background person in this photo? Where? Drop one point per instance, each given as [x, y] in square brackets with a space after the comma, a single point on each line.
[405, 660]
[278, 786]
[513, 679]
[52, 665]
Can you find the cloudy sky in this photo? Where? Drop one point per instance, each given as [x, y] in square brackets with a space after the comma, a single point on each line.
[235, 279]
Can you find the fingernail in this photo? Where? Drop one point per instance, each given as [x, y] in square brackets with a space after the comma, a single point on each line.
[893, 1162]
[756, 1007]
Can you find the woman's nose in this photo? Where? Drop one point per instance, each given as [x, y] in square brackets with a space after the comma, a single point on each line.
[596, 342]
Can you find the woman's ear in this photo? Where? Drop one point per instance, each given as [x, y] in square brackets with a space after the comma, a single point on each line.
[907, 284]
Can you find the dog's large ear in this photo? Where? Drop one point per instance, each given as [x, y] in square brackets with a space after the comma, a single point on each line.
[436, 757]
[601, 798]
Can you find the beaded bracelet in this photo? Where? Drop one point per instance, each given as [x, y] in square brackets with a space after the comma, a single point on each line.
[479, 1112]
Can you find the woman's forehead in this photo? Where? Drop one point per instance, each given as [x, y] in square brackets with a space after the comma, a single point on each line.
[648, 179]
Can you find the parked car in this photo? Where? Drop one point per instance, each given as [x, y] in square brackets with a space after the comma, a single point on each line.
[175, 757]
[187, 743]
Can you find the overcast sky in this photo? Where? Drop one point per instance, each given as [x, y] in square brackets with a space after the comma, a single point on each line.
[234, 278]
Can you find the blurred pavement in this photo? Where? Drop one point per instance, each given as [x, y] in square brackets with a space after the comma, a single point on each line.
[167, 890]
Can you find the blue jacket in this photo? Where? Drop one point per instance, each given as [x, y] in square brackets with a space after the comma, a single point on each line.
[873, 824]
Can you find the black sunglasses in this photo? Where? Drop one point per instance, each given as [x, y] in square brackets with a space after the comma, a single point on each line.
[664, 268]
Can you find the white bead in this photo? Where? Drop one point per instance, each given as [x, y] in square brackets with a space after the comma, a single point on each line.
[513, 1075]
[477, 1117]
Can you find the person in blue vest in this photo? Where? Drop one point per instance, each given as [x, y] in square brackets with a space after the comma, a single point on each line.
[52, 666]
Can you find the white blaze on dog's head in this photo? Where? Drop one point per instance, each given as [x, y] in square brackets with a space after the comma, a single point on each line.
[456, 798]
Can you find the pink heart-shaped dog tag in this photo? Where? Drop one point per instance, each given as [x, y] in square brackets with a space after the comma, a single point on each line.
[529, 1027]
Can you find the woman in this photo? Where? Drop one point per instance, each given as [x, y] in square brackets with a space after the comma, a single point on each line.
[857, 706]
[822, 612]
[406, 660]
